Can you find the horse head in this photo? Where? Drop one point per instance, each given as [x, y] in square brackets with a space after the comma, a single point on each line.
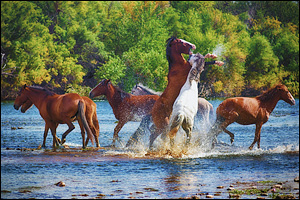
[25, 106]
[198, 62]
[285, 95]
[100, 89]
[21, 98]
[175, 47]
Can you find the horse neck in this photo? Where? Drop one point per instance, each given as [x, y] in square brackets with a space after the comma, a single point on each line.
[113, 96]
[37, 97]
[270, 103]
[176, 58]
[176, 78]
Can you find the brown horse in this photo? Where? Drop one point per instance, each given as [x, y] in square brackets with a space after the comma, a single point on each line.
[90, 114]
[178, 71]
[55, 109]
[247, 110]
[126, 107]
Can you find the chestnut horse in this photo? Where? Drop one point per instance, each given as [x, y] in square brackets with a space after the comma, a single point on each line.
[126, 107]
[90, 114]
[178, 71]
[247, 110]
[55, 109]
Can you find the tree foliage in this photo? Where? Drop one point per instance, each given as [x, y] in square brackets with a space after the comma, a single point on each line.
[70, 46]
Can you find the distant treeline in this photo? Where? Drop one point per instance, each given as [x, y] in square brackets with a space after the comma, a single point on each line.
[69, 46]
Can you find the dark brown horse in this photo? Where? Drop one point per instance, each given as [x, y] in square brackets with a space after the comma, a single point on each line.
[55, 109]
[126, 107]
[247, 110]
[178, 71]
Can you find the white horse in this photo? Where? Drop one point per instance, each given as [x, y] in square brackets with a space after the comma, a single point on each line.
[185, 106]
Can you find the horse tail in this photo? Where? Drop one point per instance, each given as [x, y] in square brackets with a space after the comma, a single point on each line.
[84, 121]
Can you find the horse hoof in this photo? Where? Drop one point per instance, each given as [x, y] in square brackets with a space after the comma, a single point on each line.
[250, 148]
[231, 141]
[62, 141]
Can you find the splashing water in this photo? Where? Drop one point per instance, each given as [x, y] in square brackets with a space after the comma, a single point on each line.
[219, 50]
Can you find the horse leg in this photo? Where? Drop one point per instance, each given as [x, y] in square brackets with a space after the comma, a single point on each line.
[230, 134]
[53, 131]
[139, 131]
[257, 136]
[117, 130]
[187, 127]
[71, 127]
[155, 132]
[45, 135]
[230, 118]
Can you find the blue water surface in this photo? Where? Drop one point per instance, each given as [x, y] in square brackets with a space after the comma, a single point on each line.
[126, 173]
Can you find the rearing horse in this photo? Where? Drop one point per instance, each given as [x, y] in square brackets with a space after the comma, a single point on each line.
[178, 71]
[55, 109]
[247, 110]
[126, 107]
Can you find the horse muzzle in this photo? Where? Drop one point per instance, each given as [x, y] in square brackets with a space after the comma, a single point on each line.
[16, 107]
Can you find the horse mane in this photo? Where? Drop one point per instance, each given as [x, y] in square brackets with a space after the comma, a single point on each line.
[48, 92]
[168, 49]
[269, 94]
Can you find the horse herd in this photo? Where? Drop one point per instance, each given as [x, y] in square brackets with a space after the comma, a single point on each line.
[175, 107]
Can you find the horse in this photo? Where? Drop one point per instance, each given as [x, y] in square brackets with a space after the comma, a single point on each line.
[185, 106]
[55, 109]
[178, 72]
[140, 89]
[250, 110]
[126, 107]
[90, 115]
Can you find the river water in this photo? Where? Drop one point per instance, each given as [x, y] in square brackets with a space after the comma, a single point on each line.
[132, 173]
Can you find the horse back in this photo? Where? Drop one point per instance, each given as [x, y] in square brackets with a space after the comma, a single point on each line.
[247, 108]
[58, 107]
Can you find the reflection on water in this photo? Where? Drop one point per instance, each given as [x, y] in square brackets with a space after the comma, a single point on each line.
[131, 172]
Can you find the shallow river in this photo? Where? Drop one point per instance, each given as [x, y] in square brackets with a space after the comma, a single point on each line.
[132, 173]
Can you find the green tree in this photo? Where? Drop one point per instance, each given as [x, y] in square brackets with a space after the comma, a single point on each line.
[262, 63]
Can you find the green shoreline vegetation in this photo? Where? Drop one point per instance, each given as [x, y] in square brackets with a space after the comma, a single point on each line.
[70, 46]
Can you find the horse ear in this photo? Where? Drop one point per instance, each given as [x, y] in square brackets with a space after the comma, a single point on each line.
[24, 86]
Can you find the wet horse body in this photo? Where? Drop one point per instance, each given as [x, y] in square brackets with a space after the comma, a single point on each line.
[126, 107]
[55, 109]
[250, 110]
